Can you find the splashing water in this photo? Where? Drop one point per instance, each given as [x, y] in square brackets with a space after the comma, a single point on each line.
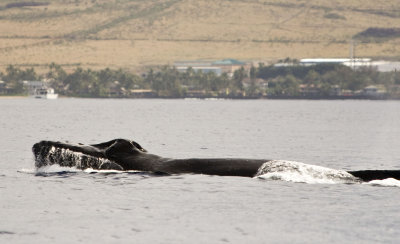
[300, 172]
[386, 182]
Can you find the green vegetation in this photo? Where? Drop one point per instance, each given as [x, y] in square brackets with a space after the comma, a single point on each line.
[376, 34]
[323, 79]
[25, 4]
[13, 80]
[334, 16]
[293, 81]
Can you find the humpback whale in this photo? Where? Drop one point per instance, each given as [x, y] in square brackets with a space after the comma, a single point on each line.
[122, 154]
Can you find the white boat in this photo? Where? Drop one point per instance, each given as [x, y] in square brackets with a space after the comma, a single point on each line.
[44, 93]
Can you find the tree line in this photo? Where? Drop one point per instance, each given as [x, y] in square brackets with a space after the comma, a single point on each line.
[324, 79]
[292, 81]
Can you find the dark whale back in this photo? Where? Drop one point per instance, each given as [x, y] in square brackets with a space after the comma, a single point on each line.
[122, 154]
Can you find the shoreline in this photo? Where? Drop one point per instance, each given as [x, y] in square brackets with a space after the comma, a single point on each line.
[11, 97]
[220, 98]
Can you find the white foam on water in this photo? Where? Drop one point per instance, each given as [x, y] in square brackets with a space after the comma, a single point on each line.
[386, 182]
[55, 168]
[27, 171]
[300, 172]
[90, 170]
[107, 171]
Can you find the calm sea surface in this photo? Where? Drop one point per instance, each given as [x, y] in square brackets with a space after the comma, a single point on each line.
[86, 207]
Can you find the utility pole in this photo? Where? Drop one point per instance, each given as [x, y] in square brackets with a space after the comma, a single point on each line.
[353, 53]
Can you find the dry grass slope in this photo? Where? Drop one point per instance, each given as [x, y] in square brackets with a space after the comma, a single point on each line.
[131, 34]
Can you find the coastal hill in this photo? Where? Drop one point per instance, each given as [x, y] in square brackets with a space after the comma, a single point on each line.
[132, 34]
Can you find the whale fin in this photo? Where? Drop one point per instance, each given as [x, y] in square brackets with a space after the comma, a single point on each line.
[110, 165]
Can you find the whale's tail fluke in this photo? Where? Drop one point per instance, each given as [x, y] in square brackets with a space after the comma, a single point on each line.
[368, 175]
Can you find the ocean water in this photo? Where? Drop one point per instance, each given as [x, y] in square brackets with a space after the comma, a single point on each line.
[65, 205]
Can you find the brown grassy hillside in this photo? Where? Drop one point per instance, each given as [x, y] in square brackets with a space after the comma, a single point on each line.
[133, 34]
